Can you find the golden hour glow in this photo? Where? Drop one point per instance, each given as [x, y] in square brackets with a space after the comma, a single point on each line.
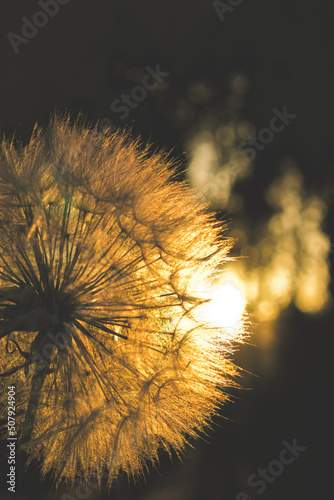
[215, 163]
[287, 254]
[288, 262]
[227, 306]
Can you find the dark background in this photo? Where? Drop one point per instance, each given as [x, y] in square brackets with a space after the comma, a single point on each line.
[92, 52]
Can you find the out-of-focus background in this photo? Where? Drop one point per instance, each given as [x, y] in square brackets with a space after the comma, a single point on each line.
[241, 91]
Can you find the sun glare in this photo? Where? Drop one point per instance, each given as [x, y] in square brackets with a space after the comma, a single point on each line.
[226, 306]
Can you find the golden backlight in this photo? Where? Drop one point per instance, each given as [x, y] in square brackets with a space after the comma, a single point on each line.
[226, 305]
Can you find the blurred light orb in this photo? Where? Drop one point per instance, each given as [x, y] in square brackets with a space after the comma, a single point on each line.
[226, 307]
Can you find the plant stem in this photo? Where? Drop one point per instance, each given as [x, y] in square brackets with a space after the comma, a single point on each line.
[36, 388]
[30, 417]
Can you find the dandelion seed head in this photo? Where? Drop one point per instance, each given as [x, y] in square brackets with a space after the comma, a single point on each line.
[101, 251]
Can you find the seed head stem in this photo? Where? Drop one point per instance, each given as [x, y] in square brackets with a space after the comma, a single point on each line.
[34, 398]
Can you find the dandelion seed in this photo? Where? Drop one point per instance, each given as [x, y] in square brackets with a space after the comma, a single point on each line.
[100, 255]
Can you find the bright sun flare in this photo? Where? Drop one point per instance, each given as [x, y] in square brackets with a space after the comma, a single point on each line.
[226, 306]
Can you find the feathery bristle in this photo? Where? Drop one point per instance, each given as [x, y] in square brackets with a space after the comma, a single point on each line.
[101, 252]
